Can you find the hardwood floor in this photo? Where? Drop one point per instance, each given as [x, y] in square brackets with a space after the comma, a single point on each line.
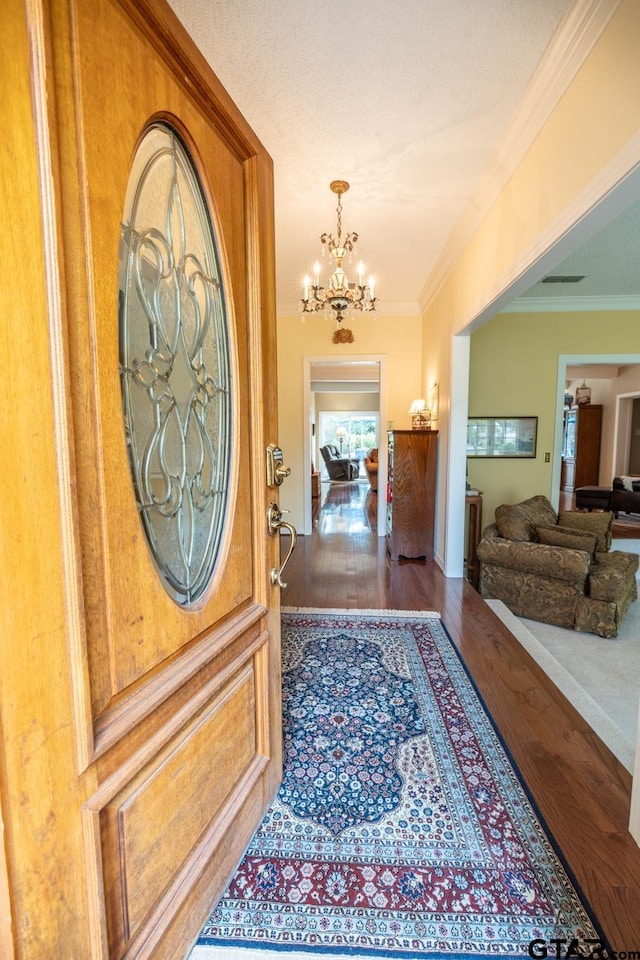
[581, 790]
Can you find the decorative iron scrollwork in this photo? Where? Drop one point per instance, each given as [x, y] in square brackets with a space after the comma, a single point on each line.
[175, 364]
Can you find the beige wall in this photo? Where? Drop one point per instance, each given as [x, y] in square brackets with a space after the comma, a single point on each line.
[398, 340]
[576, 154]
[514, 371]
[353, 400]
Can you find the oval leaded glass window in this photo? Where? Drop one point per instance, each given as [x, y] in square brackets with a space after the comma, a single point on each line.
[175, 364]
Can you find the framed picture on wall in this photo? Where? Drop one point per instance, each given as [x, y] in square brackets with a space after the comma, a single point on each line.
[434, 402]
[502, 436]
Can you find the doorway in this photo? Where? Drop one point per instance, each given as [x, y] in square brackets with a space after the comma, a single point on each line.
[615, 382]
[626, 456]
[353, 391]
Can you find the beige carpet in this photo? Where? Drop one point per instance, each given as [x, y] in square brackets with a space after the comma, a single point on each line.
[600, 677]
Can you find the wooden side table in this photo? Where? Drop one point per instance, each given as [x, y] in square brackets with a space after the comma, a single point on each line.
[473, 505]
[315, 483]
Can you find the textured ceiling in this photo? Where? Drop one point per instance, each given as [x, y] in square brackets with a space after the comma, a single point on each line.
[609, 263]
[408, 101]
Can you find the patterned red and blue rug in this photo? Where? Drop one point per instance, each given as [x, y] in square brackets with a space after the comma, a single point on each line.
[401, 828]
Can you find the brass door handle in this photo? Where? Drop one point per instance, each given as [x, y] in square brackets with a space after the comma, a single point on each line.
[274, 524]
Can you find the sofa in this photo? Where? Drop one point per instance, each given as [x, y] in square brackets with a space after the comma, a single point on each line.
[371, 466]
[625, 495]
[339, 467]
[557, 567]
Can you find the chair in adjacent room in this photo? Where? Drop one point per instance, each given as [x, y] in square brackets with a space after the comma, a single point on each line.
[338, 467]
[371, 466]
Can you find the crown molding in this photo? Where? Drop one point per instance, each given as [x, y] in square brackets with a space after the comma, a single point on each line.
[614, 187]
[571, 304]
[570, 46]
[385, 308]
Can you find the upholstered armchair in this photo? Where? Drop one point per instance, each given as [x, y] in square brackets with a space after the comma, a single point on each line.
[557, 568]
[338, 467]
[371, 466]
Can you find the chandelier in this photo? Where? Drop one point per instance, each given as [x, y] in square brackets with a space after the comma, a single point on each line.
[340, 295]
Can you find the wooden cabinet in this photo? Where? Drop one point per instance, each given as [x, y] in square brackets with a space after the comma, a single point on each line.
[581, 447]
[473, 523]
[411, 493]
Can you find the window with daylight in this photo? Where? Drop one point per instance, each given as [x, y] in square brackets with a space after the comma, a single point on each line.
[353, 433]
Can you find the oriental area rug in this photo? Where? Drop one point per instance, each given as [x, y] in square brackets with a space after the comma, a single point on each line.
[401, 828]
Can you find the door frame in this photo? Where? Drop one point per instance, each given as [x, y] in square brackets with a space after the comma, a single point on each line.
[582, 359]
[330, 359]
[622, 433]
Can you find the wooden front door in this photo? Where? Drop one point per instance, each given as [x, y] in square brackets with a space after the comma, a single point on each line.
[141, 729]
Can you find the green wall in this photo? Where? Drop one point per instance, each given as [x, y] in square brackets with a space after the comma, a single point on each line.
[514, 372]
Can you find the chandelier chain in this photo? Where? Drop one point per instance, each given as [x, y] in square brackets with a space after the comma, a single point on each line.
[340, 294]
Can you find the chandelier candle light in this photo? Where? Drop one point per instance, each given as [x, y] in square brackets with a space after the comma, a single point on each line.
[340, 294]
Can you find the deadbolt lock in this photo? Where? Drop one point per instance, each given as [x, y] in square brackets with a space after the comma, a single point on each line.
[276, 470]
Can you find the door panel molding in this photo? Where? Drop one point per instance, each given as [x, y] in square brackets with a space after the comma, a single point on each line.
[122, 718]
[177, 779]
[116, 887]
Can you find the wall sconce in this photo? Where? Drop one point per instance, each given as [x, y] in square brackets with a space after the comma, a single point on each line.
[420, 415]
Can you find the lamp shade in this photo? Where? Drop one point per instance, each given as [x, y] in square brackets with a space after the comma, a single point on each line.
[583, 394]
[420, 415]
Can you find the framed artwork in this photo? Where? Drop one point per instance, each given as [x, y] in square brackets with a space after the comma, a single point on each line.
[502, 436]
[434, 401]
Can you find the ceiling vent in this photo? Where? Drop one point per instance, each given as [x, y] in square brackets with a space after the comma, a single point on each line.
[562, 279]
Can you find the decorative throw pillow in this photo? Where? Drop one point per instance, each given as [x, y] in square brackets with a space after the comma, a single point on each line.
[557, 536]
[518, 521]
[513, 523]
[596, 523]
[538, 509]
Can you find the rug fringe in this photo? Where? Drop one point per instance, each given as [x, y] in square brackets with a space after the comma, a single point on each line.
[356, 612]
[207, 952]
